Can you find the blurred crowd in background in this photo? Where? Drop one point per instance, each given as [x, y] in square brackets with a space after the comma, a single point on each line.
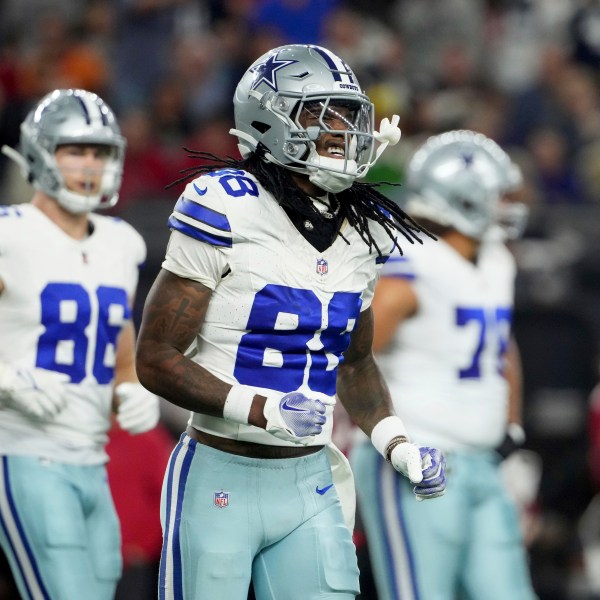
[523, 72]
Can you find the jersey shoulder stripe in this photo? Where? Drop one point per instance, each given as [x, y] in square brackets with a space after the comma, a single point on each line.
[399, 267]
[196, 215]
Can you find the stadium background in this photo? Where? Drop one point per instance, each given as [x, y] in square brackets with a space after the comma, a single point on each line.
[524, 72]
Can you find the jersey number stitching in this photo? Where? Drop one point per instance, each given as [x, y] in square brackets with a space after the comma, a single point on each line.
[498, 326]
[293, 339]
[66, 314]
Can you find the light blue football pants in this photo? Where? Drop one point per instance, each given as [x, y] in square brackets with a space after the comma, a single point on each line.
[468, 540]
[227, 519]
[59, 529]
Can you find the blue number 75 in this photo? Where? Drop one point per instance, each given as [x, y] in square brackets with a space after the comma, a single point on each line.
[500, 322]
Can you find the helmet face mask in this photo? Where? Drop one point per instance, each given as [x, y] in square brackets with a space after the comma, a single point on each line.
[71, 117]
[457, 179]
[285, 85]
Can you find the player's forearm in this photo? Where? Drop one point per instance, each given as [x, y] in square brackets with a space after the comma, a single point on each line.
[363, 392]
[168, 373]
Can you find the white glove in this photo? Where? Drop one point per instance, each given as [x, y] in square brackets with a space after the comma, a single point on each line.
[36, 393]
[138, 409]
[294, 417]
[406, 459]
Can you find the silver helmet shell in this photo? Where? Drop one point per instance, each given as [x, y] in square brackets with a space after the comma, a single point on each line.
[457, 178]
[512, 214]
[271, 96]
[70, 116]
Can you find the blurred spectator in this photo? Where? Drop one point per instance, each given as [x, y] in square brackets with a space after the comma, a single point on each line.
[362, 40]
[555, 177]
[584, 31]
[537, 104]
[205, 71]
[169, 112]
[297, 21]
[147, 168]
[61, 57]
[145, 35]
[428, 27]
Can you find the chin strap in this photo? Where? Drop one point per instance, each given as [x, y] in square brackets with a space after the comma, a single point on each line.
[17, 158]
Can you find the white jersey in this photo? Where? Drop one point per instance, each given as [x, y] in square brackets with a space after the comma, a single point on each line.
[282, 312]
[64, 303]
[444, 365]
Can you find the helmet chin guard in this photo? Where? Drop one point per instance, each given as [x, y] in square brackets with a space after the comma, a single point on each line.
[274, 92]
[70, 116]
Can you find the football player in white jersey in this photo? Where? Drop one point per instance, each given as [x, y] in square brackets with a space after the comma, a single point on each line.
[260, 315]
[67, 281]
[443, 340]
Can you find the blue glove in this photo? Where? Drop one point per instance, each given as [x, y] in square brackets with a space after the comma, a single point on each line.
[433, 484]
[294, 417]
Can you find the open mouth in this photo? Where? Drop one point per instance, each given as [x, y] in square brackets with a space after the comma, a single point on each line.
[336, 151]
[87, 187]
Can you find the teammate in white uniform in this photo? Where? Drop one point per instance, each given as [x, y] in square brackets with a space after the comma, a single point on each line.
[442, 326]
[67, 282]
[260, 315]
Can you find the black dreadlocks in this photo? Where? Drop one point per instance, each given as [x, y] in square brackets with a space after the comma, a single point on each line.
[359, 203]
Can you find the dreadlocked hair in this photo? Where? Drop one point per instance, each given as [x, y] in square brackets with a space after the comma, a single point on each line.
[359, 204]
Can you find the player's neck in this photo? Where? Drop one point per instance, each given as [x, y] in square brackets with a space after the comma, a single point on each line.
[74, 225]
[467, 247]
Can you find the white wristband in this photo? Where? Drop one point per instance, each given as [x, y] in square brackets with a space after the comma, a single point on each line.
[385, 431]
[238, 403]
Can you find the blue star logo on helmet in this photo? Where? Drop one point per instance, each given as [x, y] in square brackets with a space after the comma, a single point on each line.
[267, 72]
[468, 159]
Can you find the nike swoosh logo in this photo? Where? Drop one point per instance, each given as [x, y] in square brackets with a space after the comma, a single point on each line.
[286, 406]
[199, 191]
[323, 490]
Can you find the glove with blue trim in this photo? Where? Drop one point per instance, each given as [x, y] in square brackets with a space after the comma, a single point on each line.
[433, 465]
[294, 417]
[37, 393]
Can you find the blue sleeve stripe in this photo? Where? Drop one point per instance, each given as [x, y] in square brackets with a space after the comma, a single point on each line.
[198, 234]
[407, 276]
[381, 260]
[203, 214]
[398, 259]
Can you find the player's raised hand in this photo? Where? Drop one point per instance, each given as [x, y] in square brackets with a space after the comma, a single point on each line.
[37, 393]
[295, 417]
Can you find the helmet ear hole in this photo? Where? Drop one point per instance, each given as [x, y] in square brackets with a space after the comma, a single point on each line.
[261, 127]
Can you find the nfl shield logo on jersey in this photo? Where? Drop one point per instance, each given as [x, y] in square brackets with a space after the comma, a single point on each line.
[322, 266]
[221, 499]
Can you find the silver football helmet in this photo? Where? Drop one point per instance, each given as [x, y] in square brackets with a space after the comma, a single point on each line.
[70, 116]
[457, 179]
[274, 92]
